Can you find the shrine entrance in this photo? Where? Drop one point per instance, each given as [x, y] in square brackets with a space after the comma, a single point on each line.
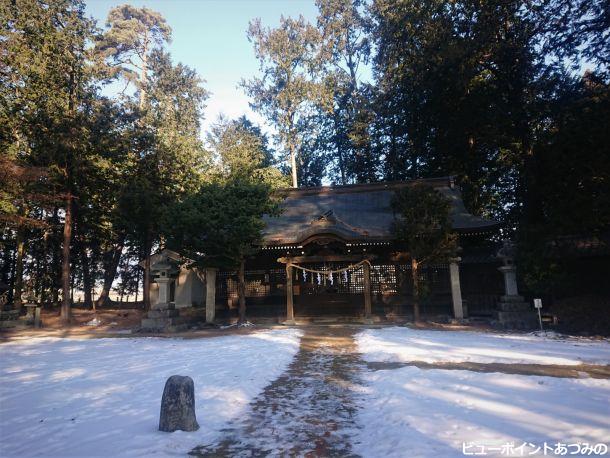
[335, 292]
[325, 282]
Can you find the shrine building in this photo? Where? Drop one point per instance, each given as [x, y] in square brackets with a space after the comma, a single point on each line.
[331, 254]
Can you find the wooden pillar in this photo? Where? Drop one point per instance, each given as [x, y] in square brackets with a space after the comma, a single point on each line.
[367, 292]
[289, 299]
[456, 290]
[210, 295]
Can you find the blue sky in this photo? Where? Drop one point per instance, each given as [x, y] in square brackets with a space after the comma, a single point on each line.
[210, 36]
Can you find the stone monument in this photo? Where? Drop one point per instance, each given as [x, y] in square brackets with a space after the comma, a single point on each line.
[178, 405]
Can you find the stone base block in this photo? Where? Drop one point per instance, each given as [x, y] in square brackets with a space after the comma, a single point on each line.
[155, 324]
[9, 315]
[507, 299]
[163, 306]
[184, 305]
[177, 328]
[171, 320]
[516, 315]
[20, 323]
[514, 307]
[169, 313]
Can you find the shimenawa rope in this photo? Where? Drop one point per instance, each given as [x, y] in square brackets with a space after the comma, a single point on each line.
[326, 272]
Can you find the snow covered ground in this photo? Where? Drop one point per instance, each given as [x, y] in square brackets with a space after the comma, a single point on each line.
[405, 344]
[101, 397]
[431, 413]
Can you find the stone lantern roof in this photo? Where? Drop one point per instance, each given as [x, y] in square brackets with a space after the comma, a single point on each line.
[166, 260]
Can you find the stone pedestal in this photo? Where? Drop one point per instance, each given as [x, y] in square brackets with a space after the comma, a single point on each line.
[167, 318]
[162, 317]
[164, 288]
[510, 280]
[513, 312]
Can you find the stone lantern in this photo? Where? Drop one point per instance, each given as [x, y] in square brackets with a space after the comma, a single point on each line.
[163, 275]
[513, 312]
[508, 269]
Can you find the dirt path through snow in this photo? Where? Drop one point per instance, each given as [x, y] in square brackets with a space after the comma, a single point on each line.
[307, 411]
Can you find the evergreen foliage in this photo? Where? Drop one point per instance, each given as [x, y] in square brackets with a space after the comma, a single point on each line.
[221, 224]
[510, 97]
[423, 229]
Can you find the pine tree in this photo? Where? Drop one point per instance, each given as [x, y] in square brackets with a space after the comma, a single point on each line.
[346, 48]
[126, 47]
[288, 91]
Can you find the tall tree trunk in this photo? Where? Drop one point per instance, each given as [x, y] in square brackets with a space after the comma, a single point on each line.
[415, 278]
[137, 285]
[7, 269]
[144, 71]
[18, 288]
[241, 291]
[54, 295]
[65, 263]
[110, 272]
[146, 281]
[81, 251]
[55, 271]
[87, 281]
[293, 166]
[37, 286]
[339, 146]
[44, 269]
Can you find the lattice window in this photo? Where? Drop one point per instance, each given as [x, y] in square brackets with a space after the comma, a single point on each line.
[385, 279]
[259, 283]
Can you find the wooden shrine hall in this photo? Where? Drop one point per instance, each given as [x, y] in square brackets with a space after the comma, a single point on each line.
[331, 253]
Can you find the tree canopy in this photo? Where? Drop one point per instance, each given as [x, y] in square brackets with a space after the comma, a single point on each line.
[508, 97]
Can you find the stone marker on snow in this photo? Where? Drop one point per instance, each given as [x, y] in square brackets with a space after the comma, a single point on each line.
[178, 405]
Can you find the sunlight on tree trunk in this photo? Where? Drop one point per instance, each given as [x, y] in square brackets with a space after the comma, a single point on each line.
[241, 288]
[415, 277]
[110, 274]
[87, 281]
[19, 270]
[65, 266]
[146, 282]
[293, 166]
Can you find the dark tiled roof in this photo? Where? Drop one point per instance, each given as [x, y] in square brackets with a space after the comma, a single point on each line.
[355, 213]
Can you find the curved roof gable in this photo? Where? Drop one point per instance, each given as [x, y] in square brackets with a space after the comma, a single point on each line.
[356, 213]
